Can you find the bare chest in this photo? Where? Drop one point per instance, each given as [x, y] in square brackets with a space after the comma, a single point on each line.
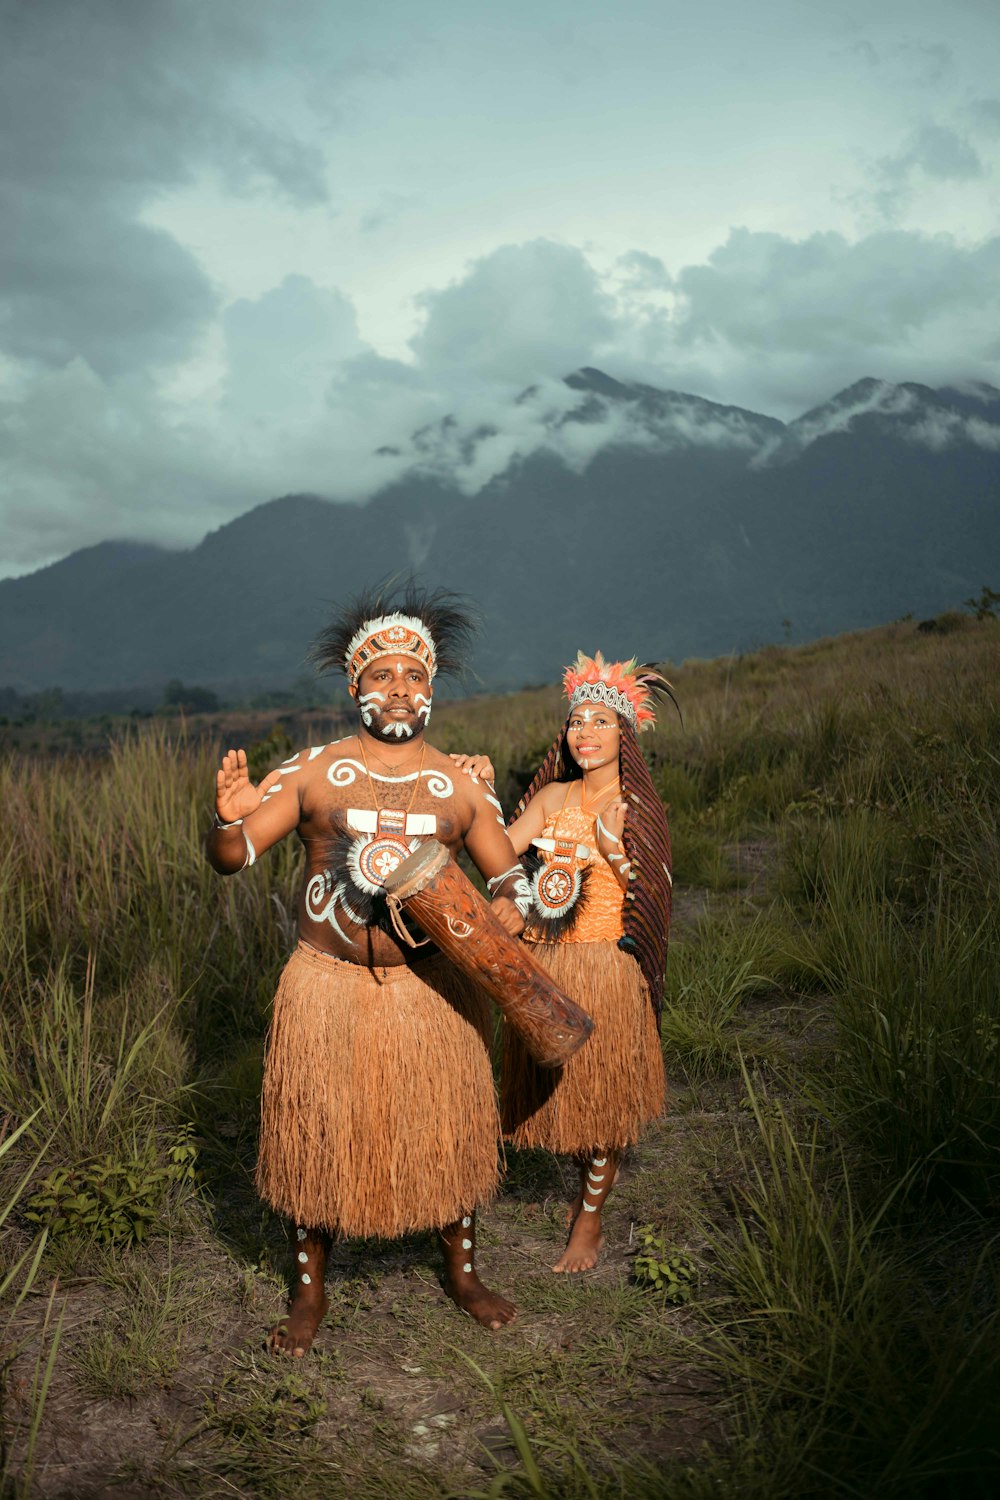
[352, 800]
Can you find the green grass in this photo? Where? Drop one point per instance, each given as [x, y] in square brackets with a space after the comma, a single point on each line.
[832, 1032]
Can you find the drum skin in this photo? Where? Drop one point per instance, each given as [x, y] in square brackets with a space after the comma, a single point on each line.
[432, 889]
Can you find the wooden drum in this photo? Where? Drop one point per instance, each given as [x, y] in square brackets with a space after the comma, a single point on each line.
[430, 887]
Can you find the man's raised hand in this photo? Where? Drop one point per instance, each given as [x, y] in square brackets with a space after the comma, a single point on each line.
[235, 794]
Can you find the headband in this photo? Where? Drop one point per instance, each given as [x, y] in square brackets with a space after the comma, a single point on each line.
[389, 635]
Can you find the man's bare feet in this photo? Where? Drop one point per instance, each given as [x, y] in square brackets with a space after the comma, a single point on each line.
[461, 1281]
[470, 1295]
[294, 1333]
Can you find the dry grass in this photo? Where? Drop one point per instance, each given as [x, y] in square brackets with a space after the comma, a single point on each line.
[829, 1161]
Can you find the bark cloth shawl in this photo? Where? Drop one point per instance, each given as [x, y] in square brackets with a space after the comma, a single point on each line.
[646, 904]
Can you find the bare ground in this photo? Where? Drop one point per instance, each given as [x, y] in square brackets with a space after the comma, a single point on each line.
[387, 1403]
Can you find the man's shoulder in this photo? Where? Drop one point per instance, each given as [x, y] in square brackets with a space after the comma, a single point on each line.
[317, 760]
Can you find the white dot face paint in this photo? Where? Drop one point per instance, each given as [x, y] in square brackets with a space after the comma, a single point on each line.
[467, 1267]
[303, 1258]
[307, 1278]
[300, 1234]
[466, 1222]
[466, 1244]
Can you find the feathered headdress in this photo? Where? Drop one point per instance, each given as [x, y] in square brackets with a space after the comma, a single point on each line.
[431, 625]
[625, 686]
[630, 690]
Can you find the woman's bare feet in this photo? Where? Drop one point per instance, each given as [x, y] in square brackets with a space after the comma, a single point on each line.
[598, 1175]
[294, 1333]
[585, 1245]
[461, 1281]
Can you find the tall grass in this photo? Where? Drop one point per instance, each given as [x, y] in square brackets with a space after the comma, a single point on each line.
[854, 1317]
[857, 1368]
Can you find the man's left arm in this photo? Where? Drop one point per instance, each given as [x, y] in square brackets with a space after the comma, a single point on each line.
[492, 853]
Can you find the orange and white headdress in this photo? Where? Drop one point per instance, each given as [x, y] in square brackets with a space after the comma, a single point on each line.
[624, 686]
[389, 635]
[432, 626]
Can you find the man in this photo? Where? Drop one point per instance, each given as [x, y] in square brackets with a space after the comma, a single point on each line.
[378, 1109]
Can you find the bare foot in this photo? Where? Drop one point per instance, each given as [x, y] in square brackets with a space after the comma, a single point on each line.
[585, 1245]
[488, 1308]
[294, 1333]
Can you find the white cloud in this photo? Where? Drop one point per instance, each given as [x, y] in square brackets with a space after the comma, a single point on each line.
[520, 312]
[302, 403]
[935, 153]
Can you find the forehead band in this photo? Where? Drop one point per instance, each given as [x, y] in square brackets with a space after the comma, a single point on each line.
[603, 692]
[390, 635]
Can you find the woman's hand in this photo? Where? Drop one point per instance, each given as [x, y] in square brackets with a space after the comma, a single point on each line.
[507, 915]
[611, 826]
[235, 794]
[479, 767]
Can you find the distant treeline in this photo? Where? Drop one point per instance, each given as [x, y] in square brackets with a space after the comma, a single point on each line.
[53, 705]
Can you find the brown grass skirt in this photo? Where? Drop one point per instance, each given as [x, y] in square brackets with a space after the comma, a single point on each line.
[615, 1083]
[378, 1112]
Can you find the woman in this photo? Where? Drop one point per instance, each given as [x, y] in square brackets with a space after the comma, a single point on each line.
[596, 839]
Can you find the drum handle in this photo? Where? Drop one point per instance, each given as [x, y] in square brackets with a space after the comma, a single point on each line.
[396, 918]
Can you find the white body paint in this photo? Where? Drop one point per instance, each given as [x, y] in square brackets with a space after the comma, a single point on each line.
[345, 772]
[322, 889]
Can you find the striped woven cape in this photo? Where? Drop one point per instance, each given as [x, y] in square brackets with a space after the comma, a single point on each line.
[646, 904]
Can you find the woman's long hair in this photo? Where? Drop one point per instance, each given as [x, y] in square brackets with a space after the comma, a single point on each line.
[647, 902]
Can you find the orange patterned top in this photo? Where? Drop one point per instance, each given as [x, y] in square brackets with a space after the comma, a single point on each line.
[600, 918]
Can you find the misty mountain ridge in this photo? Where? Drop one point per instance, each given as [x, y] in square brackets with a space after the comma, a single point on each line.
[604, 513]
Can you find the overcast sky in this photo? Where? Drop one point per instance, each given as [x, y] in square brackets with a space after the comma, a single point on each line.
[255, 240]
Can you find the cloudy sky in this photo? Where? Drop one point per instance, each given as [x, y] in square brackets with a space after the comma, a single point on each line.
[249, 242]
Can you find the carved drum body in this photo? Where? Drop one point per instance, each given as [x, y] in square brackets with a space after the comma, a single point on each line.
[431, 888]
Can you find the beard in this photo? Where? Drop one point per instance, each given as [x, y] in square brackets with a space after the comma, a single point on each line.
[389, 726]
[384, 725]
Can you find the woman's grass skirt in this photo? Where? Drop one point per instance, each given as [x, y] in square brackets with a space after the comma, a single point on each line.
[378, 1113]
[605, 1094]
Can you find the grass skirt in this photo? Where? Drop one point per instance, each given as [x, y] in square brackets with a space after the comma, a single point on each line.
[614, 1084]
[378, 1113]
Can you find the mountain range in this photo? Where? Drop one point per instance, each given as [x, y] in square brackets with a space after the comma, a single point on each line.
[638, 520]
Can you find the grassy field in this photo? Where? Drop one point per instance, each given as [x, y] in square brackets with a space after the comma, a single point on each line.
[821, 1197]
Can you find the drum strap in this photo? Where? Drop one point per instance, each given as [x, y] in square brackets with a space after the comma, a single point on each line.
[399, 926]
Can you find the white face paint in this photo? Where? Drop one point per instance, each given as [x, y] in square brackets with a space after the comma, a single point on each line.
[423, 706]
[592, 736]
[366, 713]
